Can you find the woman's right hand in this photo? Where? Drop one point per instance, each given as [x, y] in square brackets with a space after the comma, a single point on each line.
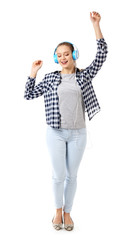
[36, 65]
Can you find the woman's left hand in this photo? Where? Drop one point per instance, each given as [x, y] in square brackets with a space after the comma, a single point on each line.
[95, 18]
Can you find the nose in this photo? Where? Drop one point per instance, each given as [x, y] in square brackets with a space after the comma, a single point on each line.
[63, 56]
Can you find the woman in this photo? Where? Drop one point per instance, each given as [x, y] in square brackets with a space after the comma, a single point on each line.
[67, 95]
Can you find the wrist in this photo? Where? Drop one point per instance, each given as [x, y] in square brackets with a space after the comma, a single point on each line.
[33, 74]
[96, 25]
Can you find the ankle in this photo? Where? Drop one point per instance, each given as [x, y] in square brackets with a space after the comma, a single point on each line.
[59, 211]
[66, 214]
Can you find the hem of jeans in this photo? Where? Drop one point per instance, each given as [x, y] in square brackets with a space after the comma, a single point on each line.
[58, 207]
[67, 210]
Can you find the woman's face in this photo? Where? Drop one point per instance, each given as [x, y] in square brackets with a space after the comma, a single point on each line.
[64, 55]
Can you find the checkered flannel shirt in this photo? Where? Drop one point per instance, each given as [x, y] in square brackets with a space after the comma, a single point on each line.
[48, 88]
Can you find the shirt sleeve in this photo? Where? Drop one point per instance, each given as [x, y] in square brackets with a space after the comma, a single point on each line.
[34, 91]
[102, 50]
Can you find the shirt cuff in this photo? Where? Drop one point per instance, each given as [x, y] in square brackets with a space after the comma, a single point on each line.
[31, 78]
[100, 40]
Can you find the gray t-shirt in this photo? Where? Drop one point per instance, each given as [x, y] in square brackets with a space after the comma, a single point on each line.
[71, 103]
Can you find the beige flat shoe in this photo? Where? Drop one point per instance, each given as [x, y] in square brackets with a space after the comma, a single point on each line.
[57, 226]
[69, 227]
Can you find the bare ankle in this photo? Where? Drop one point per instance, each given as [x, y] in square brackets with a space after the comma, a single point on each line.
[66, 214]
[59, 211]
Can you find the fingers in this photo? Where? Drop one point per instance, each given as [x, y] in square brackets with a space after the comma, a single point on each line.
[96, 14]
[38, 62]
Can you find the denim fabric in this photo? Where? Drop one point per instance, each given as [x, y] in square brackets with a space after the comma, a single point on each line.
[66, 148]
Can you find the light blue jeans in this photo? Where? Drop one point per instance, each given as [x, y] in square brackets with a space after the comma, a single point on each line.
[66, 148]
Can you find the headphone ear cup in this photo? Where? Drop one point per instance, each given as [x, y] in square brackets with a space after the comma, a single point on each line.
[55, 58]
[75, 55]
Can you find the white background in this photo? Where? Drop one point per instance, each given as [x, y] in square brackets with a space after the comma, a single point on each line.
[30, 30]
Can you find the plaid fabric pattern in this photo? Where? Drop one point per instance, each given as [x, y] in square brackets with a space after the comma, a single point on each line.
[48, 87]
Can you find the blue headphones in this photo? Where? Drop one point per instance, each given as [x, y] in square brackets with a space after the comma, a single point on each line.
[75, 53]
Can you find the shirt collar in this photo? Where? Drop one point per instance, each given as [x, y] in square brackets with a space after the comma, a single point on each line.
[76, 71]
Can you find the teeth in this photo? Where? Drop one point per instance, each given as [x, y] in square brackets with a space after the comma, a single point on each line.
[64, 62]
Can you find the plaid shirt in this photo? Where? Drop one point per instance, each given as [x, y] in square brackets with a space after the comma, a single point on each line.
[48, 88]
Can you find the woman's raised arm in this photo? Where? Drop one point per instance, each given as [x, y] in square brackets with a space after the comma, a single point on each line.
[91, 71]
[95, 19]
[31, 90]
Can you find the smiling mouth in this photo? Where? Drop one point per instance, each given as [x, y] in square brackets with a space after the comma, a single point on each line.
[64, 62]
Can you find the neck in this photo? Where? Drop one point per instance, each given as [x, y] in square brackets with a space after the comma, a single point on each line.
[68, 71]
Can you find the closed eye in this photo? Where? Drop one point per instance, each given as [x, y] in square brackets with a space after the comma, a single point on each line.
[65, 55]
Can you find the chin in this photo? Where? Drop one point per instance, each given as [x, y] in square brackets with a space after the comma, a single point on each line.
[66, 66]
